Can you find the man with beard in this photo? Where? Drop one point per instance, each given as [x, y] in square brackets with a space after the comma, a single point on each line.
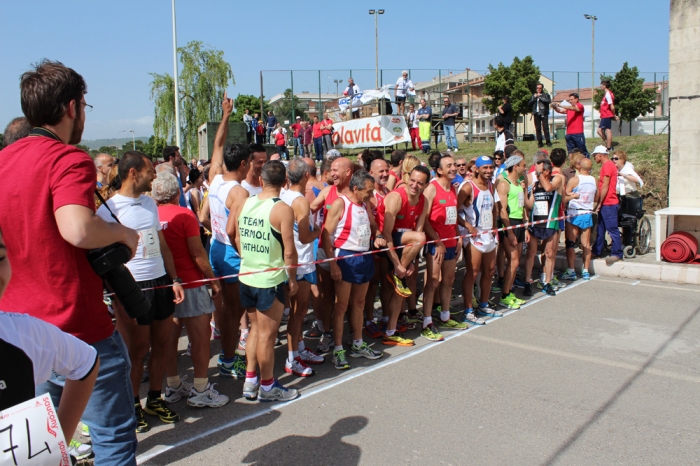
[61, 206]
[172, 158]
[153, 269]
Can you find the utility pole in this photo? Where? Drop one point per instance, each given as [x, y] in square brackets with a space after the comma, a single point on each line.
[176, 80]
[593, 20]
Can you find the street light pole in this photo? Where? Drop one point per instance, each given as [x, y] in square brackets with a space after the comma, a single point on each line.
[337, 81]
[175, 79]
[133, 139]
[376, 14]
[593, 20]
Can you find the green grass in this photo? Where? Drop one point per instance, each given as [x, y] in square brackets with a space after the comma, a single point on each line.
[648, 154]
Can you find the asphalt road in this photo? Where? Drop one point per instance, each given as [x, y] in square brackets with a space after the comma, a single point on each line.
[607, 372]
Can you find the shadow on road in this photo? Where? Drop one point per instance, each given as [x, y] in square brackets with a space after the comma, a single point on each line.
[308, 451]
[620, 391]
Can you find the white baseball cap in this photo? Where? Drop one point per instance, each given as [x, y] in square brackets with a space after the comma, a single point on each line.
[600, 150]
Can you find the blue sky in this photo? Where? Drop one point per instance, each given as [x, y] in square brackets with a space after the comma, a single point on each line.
[114, 45]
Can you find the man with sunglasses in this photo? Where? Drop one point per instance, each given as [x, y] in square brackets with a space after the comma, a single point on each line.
[461, 167]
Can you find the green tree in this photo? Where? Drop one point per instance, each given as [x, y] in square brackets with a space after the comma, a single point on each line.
[154, 147]
[111, 150]
[140, 145]
[203, 79]
[631, 99]
[517, 81]
[283, 110]
[250, 102]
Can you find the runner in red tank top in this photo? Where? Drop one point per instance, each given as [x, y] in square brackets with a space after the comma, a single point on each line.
[441, 257]
[396, 169]
[404, 216]
[379, 169]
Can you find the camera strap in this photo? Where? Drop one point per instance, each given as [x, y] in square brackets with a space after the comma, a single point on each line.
[104, 203]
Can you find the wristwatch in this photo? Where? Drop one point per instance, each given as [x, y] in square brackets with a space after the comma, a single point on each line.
[177, 280]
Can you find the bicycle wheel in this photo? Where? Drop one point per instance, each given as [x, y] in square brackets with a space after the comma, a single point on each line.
[644, 236]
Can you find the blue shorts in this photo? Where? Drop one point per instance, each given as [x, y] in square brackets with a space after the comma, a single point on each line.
[561, 224]
[450, 253]
[260, 298]
[581, 221]
[308, 277]
[224, 261]
[356, 270]
[605, 123]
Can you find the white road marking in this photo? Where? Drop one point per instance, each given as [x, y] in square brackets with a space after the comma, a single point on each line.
[142, 458]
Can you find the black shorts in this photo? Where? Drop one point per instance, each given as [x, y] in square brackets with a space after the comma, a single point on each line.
[161, 299]
[519, 232]
[401, 98]
[543, 234]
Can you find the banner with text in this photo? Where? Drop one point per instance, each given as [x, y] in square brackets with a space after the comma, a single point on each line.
[31, 435]
[385, 130]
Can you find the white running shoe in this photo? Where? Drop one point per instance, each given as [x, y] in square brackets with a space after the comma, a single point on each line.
[298, 368]
[208, 398]
[79, 450]
[173, 395]
[325, 344]
[309, 357]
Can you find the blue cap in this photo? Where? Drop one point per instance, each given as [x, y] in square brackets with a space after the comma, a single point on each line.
[483, 160]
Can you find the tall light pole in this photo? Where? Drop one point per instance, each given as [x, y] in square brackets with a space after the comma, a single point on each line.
[376, 14]
[175, 79]
[337, 81]
[593, 20]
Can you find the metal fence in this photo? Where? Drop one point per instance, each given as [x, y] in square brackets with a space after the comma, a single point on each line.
[320, 90]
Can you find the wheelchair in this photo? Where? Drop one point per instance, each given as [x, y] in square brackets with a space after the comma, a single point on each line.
[635, 228]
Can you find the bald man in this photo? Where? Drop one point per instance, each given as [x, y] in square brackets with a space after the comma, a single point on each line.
[103, 164]
[340, 174]
[15, 130]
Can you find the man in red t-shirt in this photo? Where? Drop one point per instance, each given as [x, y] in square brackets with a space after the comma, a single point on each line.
[607, 114]
[296, 127]
[574, 124]
[608, 207]
[327, 129]
[318, 138]
[48, 230]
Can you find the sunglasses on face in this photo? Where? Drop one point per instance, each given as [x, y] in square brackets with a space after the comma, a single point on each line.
[460, 165]
[498, 158]
[615, 158]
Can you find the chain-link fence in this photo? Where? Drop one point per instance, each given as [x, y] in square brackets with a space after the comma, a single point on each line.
[309, 93]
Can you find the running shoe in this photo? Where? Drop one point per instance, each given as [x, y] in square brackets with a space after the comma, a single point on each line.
[364, 351]
[405, 323]
[585, 275]
[277, 393]
[235, 369]
[431, 333]
[250, 390]
[79, 450]
[487, 312]
[298, 368]
[208, 398]
[475, 302]
[188, 351]
[325, 344]
[414, 316]
[470, 318]
[557, 284]
[568, 275]
[527, 289]
[242, 342]
[399, 286]
[158, 408]
[497, 287]
[549, 290]
[173, 395]
[518, 283]
[452, 324]
[510, 302]
[84, 429]
[215, 333]
[396, 340]
[309, 357]
[340, 361]
[372, 330]
[141, 424]
[313, 333]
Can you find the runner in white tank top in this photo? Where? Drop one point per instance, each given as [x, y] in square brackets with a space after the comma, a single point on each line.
[582, 194]
[218, 193]
[304, 251]
[353, 232]
[586, 190]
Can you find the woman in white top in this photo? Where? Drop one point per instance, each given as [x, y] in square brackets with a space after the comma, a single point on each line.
[628, 181]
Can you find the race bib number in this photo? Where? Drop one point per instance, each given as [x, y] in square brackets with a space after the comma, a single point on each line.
[451, 215]
[364, 234]
[541, 209]
[487, 220]
[151, 243]
[586, 198]
[31, 434]
[521, 199]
